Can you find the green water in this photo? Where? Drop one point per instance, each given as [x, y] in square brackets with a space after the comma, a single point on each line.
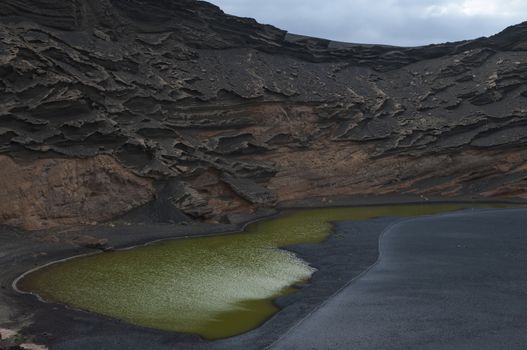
[212, 286]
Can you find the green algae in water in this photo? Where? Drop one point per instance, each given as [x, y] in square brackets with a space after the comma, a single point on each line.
[212, 286]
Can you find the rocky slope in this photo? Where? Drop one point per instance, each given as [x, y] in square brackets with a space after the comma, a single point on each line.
[111, 105]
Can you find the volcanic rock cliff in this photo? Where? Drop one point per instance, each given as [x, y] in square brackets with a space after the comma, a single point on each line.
[184, 111]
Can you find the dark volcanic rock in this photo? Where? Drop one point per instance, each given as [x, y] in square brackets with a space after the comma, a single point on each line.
[240, 114]
[250, 190]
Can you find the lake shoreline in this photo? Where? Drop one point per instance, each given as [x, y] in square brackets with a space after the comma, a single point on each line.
[21, 252]
[449, 281]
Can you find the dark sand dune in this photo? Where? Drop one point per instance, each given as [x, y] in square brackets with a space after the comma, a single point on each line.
[455, 281]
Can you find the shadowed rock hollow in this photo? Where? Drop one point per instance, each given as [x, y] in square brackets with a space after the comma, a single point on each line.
[202, 114]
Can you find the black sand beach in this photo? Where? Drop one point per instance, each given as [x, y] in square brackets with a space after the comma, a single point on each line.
[344, 256]
[451, 281]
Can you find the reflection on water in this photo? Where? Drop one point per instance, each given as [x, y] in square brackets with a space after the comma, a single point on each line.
[212, 286]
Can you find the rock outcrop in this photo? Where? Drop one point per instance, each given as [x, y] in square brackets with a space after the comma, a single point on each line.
[50, 192]
[228, 115]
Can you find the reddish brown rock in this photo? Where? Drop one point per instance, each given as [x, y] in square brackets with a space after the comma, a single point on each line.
[48, 193]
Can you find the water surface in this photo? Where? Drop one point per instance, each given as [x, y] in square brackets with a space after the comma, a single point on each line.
[216, 286]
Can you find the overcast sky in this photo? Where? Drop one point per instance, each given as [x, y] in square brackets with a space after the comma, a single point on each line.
[395, 22]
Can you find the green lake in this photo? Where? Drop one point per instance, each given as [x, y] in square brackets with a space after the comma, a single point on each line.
[217, 286]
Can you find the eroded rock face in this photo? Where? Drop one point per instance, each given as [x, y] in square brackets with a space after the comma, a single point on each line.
[240, 115]
[55, 192]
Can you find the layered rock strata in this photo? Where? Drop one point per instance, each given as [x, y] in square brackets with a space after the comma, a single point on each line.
[118, 103]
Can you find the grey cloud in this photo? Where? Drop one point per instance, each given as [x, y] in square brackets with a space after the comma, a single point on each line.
[394, 22]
